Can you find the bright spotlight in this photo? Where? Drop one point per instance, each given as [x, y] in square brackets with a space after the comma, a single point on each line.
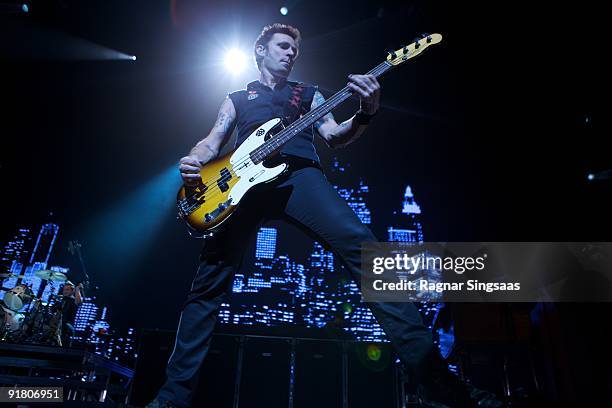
[25, 8]
[590, 177]
[235, 61]
[133, 57]
[284, 10]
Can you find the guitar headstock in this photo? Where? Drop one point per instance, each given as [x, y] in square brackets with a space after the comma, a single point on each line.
[412, 50]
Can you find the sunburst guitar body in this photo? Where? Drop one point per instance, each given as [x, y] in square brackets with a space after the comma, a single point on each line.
[225, 181]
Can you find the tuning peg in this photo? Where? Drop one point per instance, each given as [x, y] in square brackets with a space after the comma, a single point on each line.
[427, 37]
[392, 54]
[405, 49]
[416, 43]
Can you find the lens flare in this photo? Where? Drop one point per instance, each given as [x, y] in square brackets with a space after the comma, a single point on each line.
[235, 61]
[374, 352]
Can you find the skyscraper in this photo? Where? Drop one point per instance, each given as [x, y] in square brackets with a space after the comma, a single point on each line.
[15, 254]
[44, 243]
[40, 256]
[355, 196]
[266, 243]
[86, 315]
[407, 225]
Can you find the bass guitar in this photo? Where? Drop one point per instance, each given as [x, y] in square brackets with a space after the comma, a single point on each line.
[225, 180]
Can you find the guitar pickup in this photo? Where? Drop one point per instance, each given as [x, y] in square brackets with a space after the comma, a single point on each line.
[225, 177]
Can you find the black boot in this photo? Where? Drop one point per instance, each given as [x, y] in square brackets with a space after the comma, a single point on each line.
[440, 388]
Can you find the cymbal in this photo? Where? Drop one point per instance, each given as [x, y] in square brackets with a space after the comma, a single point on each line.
[11, 275]
[53, 276]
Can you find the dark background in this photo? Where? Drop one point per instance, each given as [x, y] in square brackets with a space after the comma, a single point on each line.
[495, 129]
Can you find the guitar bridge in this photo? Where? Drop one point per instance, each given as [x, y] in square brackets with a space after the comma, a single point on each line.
[209, 217]
[194, 198]
[184, 208]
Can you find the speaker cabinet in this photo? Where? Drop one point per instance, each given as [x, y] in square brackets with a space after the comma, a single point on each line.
[371, 375]
[218, 374]
[265, 374]
[154, 349]
[216, 386]
[318, 374]
[275, 372]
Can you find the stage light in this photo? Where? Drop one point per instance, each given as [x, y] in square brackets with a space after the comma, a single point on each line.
[284, 10]
[590, 176]
[25, 8]
[133, 58]
[235, 61]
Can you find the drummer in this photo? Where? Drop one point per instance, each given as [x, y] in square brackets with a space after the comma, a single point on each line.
[72, 298]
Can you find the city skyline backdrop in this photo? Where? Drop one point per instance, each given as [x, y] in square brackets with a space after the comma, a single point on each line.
[278, 290]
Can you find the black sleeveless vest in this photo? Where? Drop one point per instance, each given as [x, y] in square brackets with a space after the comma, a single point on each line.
[258, 103]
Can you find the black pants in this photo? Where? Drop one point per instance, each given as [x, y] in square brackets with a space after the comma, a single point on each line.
[306, 199]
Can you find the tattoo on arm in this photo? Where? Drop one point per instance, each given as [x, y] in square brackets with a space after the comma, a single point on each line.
[318, 100]
[223, 122]
[221, 119]
[209, 146]
[226, 116]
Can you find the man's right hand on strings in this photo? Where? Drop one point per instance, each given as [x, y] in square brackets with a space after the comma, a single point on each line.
[189, 167]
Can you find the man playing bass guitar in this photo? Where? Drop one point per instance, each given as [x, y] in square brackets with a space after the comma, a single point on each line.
[304, 198]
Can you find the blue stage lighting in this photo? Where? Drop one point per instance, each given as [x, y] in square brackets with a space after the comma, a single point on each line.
[590, 176]
[25, 8]
[284, 10]
[120, 235]
[133, 57]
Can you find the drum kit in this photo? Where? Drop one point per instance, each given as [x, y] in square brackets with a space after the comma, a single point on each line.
[27, 319]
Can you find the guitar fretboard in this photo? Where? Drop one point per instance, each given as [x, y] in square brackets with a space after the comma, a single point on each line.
[275, 143]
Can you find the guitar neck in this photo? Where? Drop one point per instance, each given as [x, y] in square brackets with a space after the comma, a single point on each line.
[274, 144]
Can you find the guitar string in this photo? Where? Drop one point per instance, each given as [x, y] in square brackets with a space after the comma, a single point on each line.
[213, 191]
[216, 189]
